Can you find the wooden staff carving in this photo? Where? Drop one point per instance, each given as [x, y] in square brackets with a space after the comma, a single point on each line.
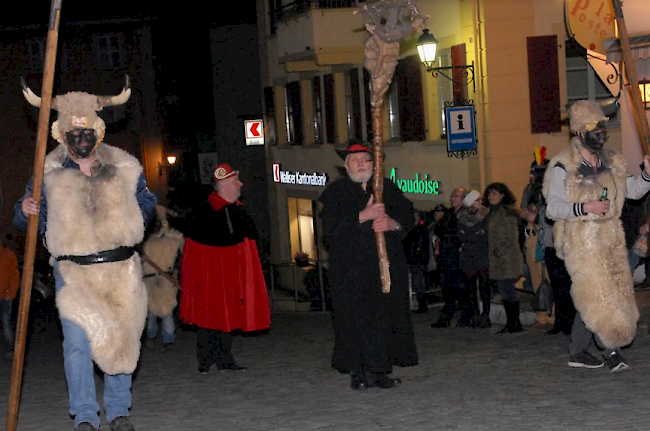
[389, 21]
[638, 109]
[32, 228]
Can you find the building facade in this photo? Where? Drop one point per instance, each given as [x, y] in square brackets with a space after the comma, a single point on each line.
[519, 67]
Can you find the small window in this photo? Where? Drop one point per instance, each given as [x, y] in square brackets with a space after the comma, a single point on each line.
[109, 50]
[35, 55]
[317, 100]
[582, 80]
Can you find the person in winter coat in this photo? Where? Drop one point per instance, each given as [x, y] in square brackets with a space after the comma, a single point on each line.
[9, 283]
[416, 247]
[472, 232]
[505, 257]
[448, 260]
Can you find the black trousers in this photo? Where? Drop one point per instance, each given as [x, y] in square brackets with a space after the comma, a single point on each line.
[561, 284]
[212, 347]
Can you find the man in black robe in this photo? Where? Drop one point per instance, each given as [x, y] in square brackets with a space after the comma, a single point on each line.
[373, 330]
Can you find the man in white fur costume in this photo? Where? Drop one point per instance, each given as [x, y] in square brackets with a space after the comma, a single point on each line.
[589, 236]
[93, 213]
[163, 248]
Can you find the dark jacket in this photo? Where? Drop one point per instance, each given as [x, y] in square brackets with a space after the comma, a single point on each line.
[447, 231]
[472, 232]
[416, 245]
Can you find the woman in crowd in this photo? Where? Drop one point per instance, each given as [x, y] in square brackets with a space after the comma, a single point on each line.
[505, 258]
[472, 232]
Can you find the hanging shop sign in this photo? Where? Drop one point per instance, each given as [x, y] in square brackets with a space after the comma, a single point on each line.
[419, 185]
[590, 22]
[298, 178]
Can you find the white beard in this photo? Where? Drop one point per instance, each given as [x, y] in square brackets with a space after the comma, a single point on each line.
[361, 177]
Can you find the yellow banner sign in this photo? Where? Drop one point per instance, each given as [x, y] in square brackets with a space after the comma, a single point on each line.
[590, 22]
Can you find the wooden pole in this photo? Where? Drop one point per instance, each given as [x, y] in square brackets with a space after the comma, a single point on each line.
[32, 229]
[378, 193]
[638, 108]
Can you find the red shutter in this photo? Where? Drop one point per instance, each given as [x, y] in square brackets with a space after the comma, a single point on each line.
[544, 84]
[459, 88]
[411, 113]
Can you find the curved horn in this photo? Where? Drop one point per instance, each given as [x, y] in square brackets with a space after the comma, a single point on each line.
[609, 106]
[32, 98]
[116, 100]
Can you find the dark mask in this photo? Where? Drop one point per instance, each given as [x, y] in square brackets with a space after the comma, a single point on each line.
[81, 142]
[594, 140]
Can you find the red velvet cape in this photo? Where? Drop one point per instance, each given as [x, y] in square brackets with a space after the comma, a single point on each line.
[223, 287]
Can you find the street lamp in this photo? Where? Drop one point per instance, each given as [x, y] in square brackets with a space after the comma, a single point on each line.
[427, 48]
[644, 88]
[170, 162]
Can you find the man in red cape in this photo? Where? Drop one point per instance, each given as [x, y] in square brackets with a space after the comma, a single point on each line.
[223, 288]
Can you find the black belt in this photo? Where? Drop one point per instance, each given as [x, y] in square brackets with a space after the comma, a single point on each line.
[115, 255]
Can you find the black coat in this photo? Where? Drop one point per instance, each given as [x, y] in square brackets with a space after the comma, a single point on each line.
[447, 232]
[373, 330]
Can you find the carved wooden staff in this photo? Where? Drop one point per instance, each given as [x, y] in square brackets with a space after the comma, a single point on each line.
[32, 229]
[640, 118]
[389, 21]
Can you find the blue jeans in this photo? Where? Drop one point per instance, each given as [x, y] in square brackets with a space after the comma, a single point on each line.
[7, 323]
[167, 327]
[80, 376]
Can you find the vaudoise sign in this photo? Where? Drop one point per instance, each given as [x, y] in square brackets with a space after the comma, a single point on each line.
[423, 185]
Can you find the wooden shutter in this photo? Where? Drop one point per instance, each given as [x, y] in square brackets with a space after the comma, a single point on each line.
[544, 84]
[329, 108]
[269, 116]
[411, 113]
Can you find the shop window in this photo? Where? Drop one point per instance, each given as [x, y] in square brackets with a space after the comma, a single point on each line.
[582, 80]
[301, 227]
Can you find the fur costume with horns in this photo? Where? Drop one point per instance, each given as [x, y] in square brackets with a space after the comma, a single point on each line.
[87, 215]
[593, 247]
[163, 248]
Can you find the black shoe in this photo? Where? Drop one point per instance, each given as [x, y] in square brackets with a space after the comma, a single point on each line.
[554, 331]
[483, 321]
[381, 380]
[168, 346]
[85, 426]
[358, 381]
[585, 360]
[121, 423]
[230, 367]
[616, 363]
[203, 370]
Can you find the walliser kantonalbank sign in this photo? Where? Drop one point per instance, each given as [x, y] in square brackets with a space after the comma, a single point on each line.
[418, 185]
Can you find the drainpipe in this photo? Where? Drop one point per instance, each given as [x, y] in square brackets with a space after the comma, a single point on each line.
[480, 95]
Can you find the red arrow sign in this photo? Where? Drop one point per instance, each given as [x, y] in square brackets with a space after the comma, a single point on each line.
[254, 129]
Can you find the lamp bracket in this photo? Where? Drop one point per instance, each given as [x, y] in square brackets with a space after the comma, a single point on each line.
[467, 73]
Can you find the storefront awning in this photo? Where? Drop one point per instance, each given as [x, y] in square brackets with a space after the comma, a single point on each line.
[640, 47]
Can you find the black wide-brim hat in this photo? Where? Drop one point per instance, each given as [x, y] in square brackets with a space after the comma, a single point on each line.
[355, 148]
